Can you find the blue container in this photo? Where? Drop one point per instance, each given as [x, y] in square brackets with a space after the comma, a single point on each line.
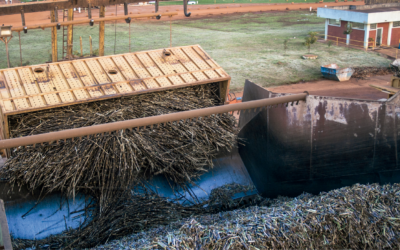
[333, 72]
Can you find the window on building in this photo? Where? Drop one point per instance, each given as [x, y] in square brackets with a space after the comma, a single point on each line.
[396, 24]
[357, 26]
[372, 26]
[334, 22]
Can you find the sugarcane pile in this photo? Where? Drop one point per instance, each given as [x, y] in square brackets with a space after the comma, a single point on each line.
[128, 212]
[357, 217]
[131, 211]
[100, 165]
[224, 195]
[365, 72]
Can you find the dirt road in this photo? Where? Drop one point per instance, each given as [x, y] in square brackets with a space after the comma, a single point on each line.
[198, 11]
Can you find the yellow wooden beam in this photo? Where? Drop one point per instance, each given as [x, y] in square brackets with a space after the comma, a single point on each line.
[102, 13]
[70, 34]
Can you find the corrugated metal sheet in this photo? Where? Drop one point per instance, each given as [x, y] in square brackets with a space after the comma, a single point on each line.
[51, 85]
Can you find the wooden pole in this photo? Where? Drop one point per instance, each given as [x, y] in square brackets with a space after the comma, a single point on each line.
[90, 11]
[23, 17]
[6, 42]
[90, 43]
[70, 34]
[20, 49]
[80, 40]
[54, 53]
[102, 13]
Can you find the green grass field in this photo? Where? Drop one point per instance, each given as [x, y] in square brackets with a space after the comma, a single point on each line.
[247, 46]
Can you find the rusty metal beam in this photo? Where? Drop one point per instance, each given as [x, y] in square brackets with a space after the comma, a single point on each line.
[10, 9]
[96, 20]
[147, 121]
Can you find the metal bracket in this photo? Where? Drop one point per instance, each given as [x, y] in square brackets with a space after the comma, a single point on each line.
[185, 4]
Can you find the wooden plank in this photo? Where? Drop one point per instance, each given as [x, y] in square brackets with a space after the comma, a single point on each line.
[152, 68]
[177, 67]
[73, 80]
[210, 61]
[100, 75]
[188, 64]
[97, 71]
[15, 89]
[165, 67]
[7, 105]
[45, 85]
[87, 78]
[60, 83]
[114, 74]
[149, 64]
[128, 73]
[136, 65]
[200, 62]
[28, 82]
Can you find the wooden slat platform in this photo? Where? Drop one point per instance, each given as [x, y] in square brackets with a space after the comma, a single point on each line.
[31, 88]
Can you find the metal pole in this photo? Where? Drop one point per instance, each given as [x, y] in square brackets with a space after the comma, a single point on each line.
[147, 121]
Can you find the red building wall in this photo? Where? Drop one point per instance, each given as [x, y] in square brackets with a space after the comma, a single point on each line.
[357, 37]
[336, 31]
[385, 32]
[372, 33]
[395, 37]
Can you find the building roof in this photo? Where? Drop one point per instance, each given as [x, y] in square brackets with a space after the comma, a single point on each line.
[377, 10]
[363, 13]
[30, 88]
